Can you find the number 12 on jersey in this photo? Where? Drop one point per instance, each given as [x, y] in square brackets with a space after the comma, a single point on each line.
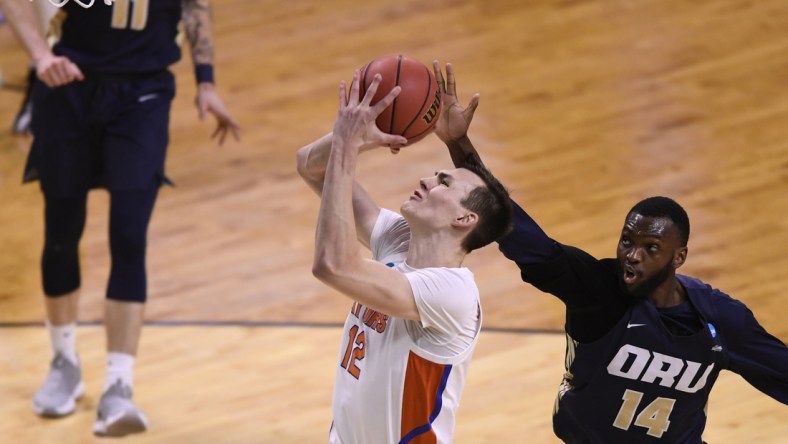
[355, 351]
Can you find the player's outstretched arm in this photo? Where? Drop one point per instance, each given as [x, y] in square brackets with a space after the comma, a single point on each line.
[198, 27]
[755, 354]
[527, 243]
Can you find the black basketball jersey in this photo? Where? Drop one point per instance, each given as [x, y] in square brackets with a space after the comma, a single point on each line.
[631, 377]
[130, 36]
[640, 382]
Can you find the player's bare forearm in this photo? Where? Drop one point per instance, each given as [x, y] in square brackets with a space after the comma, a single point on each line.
[461, 150]
[336, 250]
[198, 26]
[23, 20]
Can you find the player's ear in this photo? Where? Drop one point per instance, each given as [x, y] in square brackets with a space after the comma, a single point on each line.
[467, 220]
[680, 257]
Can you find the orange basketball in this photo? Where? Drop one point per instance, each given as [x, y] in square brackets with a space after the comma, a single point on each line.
[416, 109]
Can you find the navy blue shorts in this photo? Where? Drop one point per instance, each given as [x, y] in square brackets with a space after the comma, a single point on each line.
[107, 131]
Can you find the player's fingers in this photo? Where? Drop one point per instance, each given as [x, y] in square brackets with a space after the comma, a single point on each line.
[75, 72]
[386, 101]
[233, 127]
[436, 68]
[58, 74]
[342, 95]
[49, 75]
[223, 136]
[219, 132]
[372, 90]
[394, 141]
[354, 88]
[472, 106]
[231, 122]
[65, 72]
[47, 78]
[451, 86]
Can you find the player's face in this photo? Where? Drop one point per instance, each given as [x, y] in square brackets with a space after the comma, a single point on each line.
[648, 253]
[436, 201]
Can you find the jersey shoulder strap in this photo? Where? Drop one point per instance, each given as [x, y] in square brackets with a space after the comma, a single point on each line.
[705, 299]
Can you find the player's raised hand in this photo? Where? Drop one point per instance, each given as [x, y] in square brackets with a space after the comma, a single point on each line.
[57, 71]
[208, 101]
[454, 120]
[355, 124]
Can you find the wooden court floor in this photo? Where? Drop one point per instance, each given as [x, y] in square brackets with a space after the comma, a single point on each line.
[586, 107]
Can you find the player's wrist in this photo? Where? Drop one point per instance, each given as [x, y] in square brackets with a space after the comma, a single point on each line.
[457, 142]
[203, 73]
[42, 56]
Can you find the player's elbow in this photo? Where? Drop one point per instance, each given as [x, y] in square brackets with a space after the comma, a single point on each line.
[324, 268]
[329, 268]
[301, 163]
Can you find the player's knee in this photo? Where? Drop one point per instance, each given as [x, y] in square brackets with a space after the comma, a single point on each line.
[127, 246]
[129, 219]
[61, 285]
[60, 268]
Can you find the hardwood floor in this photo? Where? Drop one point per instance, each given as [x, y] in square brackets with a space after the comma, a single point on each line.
[586, 107]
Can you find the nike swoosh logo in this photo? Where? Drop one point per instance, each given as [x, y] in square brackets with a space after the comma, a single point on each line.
[634, 325]
[147, 97]
[716, 348]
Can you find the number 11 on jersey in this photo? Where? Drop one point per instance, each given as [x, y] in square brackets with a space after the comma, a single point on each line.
[120, 14]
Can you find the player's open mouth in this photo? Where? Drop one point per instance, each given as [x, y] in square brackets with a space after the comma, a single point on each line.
[630, 275]
[416, 195]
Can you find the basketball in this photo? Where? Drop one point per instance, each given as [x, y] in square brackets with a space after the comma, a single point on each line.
[415, 111]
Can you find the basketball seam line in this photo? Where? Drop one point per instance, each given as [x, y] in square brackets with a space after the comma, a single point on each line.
[394, 104]
[418, 115]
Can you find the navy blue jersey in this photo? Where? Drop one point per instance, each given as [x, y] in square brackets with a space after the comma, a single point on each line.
[136, 36]
[637, 373]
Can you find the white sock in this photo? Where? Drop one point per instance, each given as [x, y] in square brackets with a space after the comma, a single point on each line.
[120, 366]
[63, 339]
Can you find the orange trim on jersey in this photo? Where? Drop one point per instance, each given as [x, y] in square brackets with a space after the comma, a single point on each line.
[424, 384]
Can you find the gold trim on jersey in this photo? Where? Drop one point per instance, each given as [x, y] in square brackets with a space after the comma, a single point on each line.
[566, 382]
[55, 29]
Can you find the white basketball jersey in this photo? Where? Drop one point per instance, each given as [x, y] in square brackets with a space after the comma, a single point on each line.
[400, 381]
